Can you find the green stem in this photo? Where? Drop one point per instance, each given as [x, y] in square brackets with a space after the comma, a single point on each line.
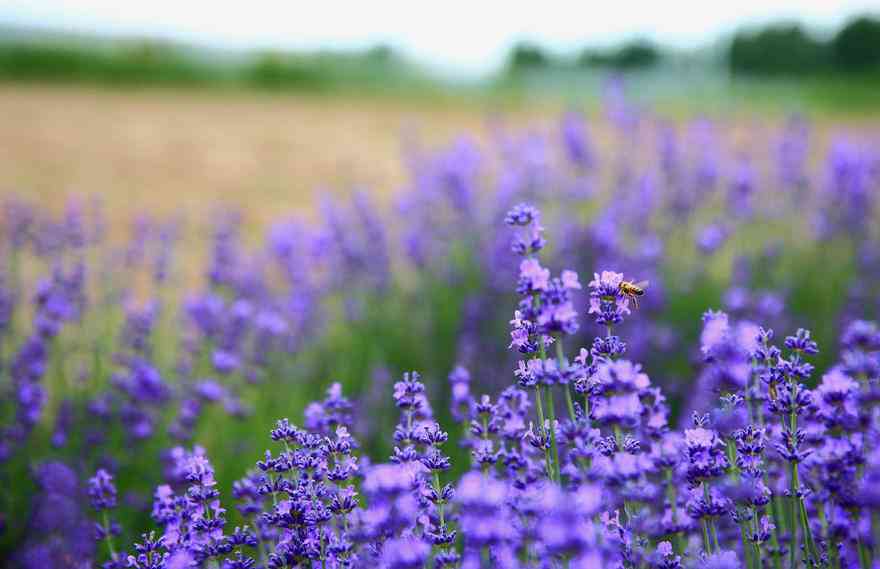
[485, 437]
[441, 503]
[485, 558]
[618, 437]
[875, 529]
[548, 460]
[743, 525]
[864, 556]
[834, 561]
[805, 523]
[774, 535]
[774, 507]
[542, 352]
[672, 497]
[744, 537]
[551, 412]
[560, 360]
[707, 545]
[757, 546]
[793, 532]
[798, 508]
[587, 407]
[109, 536]
[793, 522]
[569, 403]
[710, 522]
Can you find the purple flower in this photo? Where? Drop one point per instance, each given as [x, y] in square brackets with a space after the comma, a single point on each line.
[225, 362]
[482, 500]
[565, 526]
[102, 491]
[529, 240]
[665, 558]
[607, 302]
[705, 453]
[711, 238]
[617, 388]
[461, 402]
[392, 505]
[537, 371]
[522, 215]
[532, 276]
[723, 559]
[836, 400]
[764, 530]
[408, 393]
[57, 529]
[750, 443]
[716, 330]
[862, 335]
[575, 140]
[210, 390]
[63, 422]
[334, 411]
[405, 553]
[521, 334]
[802, 343]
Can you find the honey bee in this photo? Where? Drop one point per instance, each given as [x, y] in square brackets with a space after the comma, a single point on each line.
[633, 290]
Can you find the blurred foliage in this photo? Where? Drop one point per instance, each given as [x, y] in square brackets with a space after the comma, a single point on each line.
[791, 50]
[130, 63]
[780, 66]
[857, 46]
[147, 62]
[777, 49]
[633, 55]
[526, 56]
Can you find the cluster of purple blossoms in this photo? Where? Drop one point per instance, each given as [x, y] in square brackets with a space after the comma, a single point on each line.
[58, 528]
[617, 391]
[460, 400]
[608, 303]
[102, 496]
[58, 300]
[546, 309]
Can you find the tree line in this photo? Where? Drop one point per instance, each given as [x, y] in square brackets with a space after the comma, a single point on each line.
[773, 49]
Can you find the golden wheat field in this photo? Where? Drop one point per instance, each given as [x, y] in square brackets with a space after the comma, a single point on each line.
[163, 151]
[167, 151]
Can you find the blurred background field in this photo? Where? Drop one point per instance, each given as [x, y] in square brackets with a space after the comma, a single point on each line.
[172, 150]
[355, 193]
[85, 111]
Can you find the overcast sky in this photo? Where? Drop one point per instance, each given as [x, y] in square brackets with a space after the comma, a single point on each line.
[469, 36]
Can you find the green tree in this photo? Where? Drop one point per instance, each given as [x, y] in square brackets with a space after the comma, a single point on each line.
[635, 54]
[856, 47]
[777, 49]
[527, 56]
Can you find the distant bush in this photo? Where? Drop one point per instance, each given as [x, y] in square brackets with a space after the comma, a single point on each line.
[778, 49]
[146, 62]
[274, 71]
[633, 55]
[37, 62]
[528, 56]
[138, 63]
[856, 47]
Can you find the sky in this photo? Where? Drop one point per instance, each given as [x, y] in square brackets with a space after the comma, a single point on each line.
[468, 37]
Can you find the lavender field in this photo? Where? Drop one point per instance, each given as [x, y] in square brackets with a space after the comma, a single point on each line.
[458, 372]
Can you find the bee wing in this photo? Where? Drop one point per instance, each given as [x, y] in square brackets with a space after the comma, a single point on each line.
[642, 284]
